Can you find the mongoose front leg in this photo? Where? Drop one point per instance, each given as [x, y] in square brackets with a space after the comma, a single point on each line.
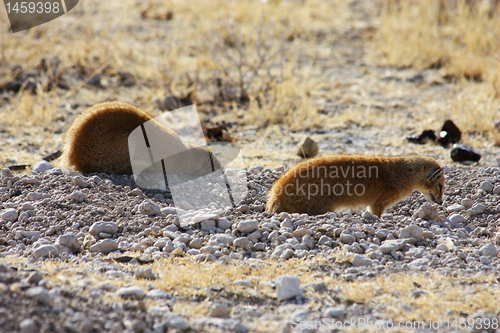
[377, 208]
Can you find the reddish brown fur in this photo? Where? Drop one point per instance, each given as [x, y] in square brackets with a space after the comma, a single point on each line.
[396, 178]
[97, 141]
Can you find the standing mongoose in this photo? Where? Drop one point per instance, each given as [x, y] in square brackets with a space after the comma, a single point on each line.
[98, 141]
[327, 183]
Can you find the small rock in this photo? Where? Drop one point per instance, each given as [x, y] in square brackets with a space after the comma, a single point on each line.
[392, 245]
[131, 293]
[202, 217]
[219, 310]
[221, 240]
[70, 241]
[489, 250]
[34, 277]
[287, 287]
[9, 215]
[33, 196]
[484, 260]
[467, 203]
[457, 218]
[412, 231]
[80, 182]
[40, 294]
[487, 186]
[77, 196]
[476, 209]
[144, 273]
[347, 238]
[248, 226]
[224, 224]
[369, 216]
[207, 225]
[41, 166]
[307, 148]
[242, 242]
[105, 246]
[106, 227]
[334, 312]
[46, 251]
[427, 212]
[455, 208]
[149, 208]
[28, 326]
[359, 260]
[157, 294]
[462, 153]
[196, 243]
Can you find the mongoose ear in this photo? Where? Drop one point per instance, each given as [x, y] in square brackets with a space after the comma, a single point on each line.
[434, 175]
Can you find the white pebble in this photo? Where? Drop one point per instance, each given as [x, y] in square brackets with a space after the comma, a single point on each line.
[287, 287]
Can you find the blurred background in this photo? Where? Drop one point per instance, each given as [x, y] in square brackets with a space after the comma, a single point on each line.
[356, 76]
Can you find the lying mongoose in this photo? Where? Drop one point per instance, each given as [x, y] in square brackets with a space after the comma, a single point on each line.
[98, 141]
[327, 183]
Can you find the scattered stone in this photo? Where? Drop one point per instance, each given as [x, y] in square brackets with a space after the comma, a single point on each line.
[77, 196]
[41, 166]
[219, 310]
[287, 287]
[70, 241]
[149, 208]
[9, 215]
[392, 245]
[476, 209]
[248, 226]
[489, 250]
[427, 212]
[359, 260]
[80, 182]
[347, 238]
[457, 219]
[334, 312]
[131, 293]
[209, 324]
[144, 273]
[462, 153]
[455, 208]
[105, 246]
[307, 148]
[103, 227]
[487, 186]
[46, 251]
[412, 231]
[40, 294]
[221, 240]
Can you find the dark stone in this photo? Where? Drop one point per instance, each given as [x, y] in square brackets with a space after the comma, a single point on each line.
[449, 134]
[462, 153]
[30, 86]
[423, 138]
[170, 103]
[95, 81]
[127, 79]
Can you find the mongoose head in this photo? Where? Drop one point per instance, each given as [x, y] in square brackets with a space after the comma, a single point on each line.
[433, 185]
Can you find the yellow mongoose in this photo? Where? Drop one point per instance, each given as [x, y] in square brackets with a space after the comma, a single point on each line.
[326, 183]
[97, 141]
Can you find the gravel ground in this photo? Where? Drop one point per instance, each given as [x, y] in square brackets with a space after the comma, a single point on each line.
[80, 222]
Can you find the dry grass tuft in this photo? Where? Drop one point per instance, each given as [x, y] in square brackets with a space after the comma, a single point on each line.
[457, 36]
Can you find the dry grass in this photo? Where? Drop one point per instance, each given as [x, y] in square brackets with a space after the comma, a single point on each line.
[459, 37]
